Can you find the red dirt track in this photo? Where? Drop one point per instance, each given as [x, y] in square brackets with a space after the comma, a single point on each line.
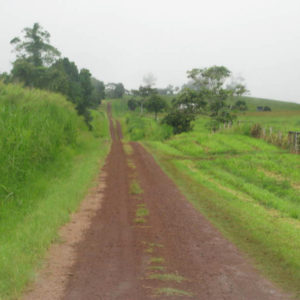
[119, 256]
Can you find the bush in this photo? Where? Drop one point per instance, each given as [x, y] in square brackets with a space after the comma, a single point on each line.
[180, 121]
[256, 130]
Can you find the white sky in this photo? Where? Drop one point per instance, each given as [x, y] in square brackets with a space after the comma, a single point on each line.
[120, 41]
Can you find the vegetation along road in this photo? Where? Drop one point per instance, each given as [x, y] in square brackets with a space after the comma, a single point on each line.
[147, 240]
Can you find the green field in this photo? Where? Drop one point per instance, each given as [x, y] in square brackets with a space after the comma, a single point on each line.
[247, 187]
[48, 160]
[275, 105]
[283, 121]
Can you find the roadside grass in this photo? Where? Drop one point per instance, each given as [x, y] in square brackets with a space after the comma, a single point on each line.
[48, 160]
[168, 291]
[28, 228]
[272, 240]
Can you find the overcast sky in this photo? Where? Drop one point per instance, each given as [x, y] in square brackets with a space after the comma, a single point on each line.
[122, 40]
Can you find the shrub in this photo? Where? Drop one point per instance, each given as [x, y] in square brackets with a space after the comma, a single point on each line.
[256, 130]
[180, 121]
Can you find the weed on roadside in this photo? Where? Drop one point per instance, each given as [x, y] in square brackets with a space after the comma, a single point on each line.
[167, 291]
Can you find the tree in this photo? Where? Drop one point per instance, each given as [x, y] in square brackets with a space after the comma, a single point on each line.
[169, 90]
[98, 92]
[119, 90]
[237, 86]
[181, 121]
[239, 90]
[155, 104]
[212, 78]
[186, 106]
[72, 89]
[114, 90]
[144, 92]
[35, 46]
[5, 77]
[240, 105]
[190, 100]
[210, 82]
[149, 80]
[132, 104]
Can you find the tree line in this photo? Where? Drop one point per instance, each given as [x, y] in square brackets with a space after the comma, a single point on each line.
[38, 64]
[205, 93]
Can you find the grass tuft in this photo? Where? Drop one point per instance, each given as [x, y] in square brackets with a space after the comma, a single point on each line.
[167, 291]
[155, 260]
[135, 188]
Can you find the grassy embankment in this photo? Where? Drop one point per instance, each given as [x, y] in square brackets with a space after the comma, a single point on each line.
[284, 117]
[248, 188]
[48, 160]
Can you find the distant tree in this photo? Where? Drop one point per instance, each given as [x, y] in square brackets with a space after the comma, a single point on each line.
[169, 90]
[239, 90]
[267, 108]
[181, 121]
[119, 90]
[73, 90]
[155, 104]
[114, 90]
[38, 65]
[212, 78]
[98, 92]
[240, 105]
[211, 83]
[145, 92]
[132, 104]
[186, 106]
[5, 77]
[190, 100]
[149, 80]
[237, 86]
[35, 46]
[24, 71]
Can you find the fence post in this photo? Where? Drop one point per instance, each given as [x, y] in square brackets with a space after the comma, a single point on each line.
[264, 132]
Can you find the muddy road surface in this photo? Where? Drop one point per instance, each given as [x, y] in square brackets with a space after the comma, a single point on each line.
[148, 242]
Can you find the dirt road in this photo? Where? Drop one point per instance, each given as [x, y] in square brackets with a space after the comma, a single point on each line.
[147, 241]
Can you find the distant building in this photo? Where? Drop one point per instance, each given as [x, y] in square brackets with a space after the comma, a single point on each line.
[259, 108]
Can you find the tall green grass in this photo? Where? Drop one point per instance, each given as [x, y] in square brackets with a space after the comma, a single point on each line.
[138, 127]
[35, 127]
[48, 161]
